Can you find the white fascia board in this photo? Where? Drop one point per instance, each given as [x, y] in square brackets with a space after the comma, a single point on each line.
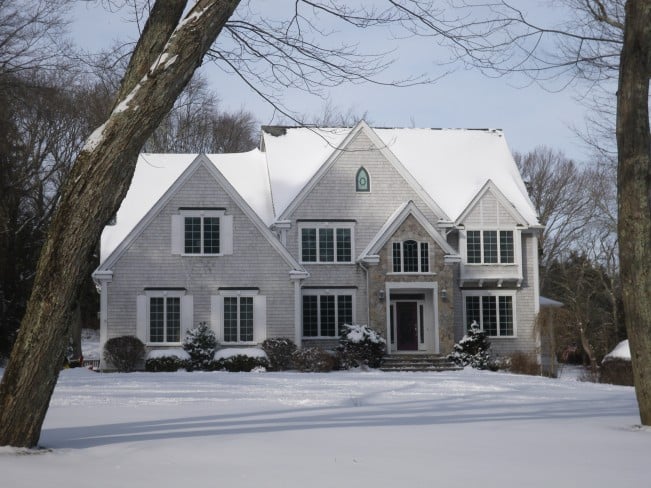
[404, 172]
[505, 202]
[334, 155]
[395, 221]
[149, 216]
[250, 213]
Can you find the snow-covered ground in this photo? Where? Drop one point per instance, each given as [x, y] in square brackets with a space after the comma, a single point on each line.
[361, 429]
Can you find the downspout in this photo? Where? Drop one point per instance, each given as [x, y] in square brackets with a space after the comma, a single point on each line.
[368, 301]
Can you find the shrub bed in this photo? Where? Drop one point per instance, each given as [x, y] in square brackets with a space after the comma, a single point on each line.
[279, 350]
[170, 360]
[239, 360]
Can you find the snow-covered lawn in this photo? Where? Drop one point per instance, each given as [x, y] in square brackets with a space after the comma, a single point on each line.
[348, 429]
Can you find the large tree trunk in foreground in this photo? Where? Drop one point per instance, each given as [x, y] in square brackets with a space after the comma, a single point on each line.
[634, 194]
[164, 61]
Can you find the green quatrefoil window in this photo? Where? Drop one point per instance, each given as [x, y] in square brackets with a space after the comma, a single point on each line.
[362, 181]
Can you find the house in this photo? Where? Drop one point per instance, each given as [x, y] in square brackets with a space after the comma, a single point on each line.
[417, 232]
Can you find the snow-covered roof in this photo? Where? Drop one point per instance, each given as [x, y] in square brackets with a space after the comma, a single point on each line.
[155, 174]
[451, 165]
[621, 351]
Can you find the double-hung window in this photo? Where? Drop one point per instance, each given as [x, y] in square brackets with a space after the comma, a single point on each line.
[494, 313]
[490, 247]
[326, 243]
[238, 319]
[239, 315]
[325, 311]
[163, 315]
[410, 257]
[202, 232]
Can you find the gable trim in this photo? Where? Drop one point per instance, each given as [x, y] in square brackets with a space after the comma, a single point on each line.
[502, 200]
[200, 161]
[384, 150]
[394, 222]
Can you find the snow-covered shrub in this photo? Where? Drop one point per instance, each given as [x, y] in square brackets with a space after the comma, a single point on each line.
[313, 360]
[472, 349]
[236, 360]
[167, 360]
[200, 343]
[124, 352]
[279, 351]
[616, 367]
[360, 345]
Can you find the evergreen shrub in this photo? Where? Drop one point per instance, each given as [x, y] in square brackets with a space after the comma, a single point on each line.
[279, 351]
[124, 352]
[359, 346]
[239, 363]
[313, 360]
[200, 343]
[473, 349]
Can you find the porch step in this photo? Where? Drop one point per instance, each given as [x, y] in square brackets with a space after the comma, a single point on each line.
[417, 362]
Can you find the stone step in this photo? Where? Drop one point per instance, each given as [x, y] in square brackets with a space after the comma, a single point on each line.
[417, 362]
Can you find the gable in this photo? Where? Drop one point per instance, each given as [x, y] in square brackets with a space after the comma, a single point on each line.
[490, 209]
[200, 186]
[408, 218]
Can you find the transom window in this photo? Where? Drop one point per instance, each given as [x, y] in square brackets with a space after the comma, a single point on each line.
[410, 257]
[490, 246]
[164, 319]
[325, 244]
[238, 319]
[324, 313]
[493, 313]
[362, 181]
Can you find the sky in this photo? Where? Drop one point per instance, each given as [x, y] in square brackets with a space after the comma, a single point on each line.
[530, 115]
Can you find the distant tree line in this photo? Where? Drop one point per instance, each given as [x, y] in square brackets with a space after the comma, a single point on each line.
[50, 102]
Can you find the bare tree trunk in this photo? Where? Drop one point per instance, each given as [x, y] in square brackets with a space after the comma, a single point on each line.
[91, 195]
[634, 194]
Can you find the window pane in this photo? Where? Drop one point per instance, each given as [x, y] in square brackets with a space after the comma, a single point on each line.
[397, 259]
[344, 310]
[410, 260]
[472, 311]
[246, 319]
[343, 245]
[308, 245]
[506, 246]
[424, 257]
[327, 315]
[230, 319]
[473, 242]
[192, 235]
[490, 246]
[173, 319]
[362, 183]
[157, 319]
[489, 315]
[506, 315]
[211, 235]
[310, 316]
[326, 245]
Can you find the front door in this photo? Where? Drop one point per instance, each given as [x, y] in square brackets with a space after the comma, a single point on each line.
[407, 325]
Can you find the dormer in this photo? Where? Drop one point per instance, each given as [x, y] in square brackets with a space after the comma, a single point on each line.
[490, 240]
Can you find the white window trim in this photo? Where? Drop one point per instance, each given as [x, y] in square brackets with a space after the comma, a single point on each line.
[402, 258]
[481, 246]
[164, 294]
[327, 225]
[259, 315]
[328, 291]
[202, 213]
[492, 293]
